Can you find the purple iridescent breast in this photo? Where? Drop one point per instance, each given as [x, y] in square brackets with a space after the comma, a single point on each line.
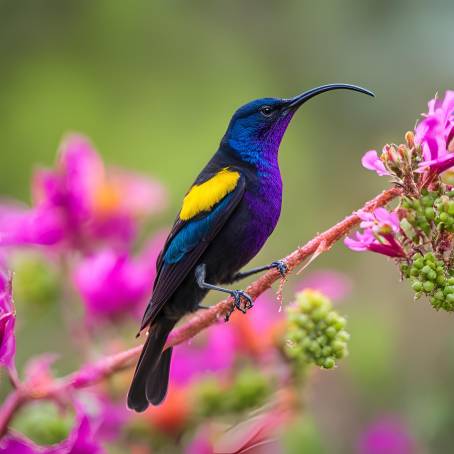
[264, 204]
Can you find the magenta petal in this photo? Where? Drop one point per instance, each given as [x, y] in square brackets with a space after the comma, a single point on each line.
[434, 133]
[355, 245]
[7, 322]
[386, 436]
[215, 353]
[81, 440]
[18, 444]
[112, 283]
[371, 161]
[38, 226]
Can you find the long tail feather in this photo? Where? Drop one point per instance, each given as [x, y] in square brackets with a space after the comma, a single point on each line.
[151, 377]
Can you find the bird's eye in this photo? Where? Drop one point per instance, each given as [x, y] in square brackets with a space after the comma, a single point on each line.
[266, 111]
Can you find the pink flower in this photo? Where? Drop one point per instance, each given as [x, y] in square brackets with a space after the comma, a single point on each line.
[21, 226]
[379, 230]
[7, 321]
[212, 353]
[113, 283]
[81, 202]
[216, 350]
[81, 440]
[335, 285]
[371, 161]
[386, 436]
[435, 134]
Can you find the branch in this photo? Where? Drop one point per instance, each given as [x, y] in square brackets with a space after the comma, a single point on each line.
[320, 243]
[93, 373]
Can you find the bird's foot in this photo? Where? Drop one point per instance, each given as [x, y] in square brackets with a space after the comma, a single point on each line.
[237, 296]
[281, 266]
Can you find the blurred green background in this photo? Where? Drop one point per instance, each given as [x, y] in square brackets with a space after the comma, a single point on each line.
[153, 84]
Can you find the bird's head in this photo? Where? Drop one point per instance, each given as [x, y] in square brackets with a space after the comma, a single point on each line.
[256, 129]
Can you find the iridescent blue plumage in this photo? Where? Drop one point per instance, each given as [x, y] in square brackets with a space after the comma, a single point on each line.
[210, 246]
[193, 233]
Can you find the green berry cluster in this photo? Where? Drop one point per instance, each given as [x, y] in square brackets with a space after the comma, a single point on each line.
[315, 331]
[249, 390]
[429, 277]
[445, 212]
[421, 212]
[432, 207]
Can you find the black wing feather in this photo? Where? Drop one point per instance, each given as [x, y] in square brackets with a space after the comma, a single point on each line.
[170, 276]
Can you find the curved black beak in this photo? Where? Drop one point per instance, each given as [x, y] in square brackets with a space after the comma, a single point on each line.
[294, 103]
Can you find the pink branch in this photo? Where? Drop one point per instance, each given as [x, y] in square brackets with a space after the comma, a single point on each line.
[91, 374]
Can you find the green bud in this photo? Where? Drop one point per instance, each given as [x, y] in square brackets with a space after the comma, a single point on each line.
[340, 323]
[428, 286]
[343, 336]
[444, 217]
[429, 213]
[441, 279]
[439, 294]
[329, 363]
[322, 338]
[450, 298]
[419, 263]
[417, 286]
[451, 207]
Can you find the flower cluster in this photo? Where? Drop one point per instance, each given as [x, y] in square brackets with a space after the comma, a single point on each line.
[88, 217]
[418, 233]
[75, 246]
[315, 332]
[427, 151]
[429, 277]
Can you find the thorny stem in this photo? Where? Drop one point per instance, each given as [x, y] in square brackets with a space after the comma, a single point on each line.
[91, 374]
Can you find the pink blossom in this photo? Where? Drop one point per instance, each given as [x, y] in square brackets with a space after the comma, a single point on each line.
[22, 226]
[212, 353]
[81, 201]
[215, 351]
[335, 285]
[371, 161]
[81, 440]
[435, 134]
[112, 283]
[7, 321]
[379, 230]
[386, 436]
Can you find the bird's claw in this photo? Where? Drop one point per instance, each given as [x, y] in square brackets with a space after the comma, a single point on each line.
[281, 266]
[237, 295]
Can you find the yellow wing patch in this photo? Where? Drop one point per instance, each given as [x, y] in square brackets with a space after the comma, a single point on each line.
[202, 197]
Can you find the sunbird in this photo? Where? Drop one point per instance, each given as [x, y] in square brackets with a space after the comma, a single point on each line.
[225, 219]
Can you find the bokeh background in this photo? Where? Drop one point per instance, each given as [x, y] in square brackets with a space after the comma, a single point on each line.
[153, 84]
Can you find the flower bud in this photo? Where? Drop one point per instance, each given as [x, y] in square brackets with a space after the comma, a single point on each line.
[410, 139]
[325, 341]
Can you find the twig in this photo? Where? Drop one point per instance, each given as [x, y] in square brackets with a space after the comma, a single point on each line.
[93, 373]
